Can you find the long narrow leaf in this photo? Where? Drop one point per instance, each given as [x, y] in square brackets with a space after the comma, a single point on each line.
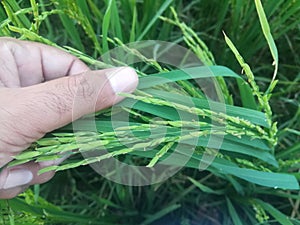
[233, 213]
[279, 216]
[164, 6]
[266, 30]
[186, 74]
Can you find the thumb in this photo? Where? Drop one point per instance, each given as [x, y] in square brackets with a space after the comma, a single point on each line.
[52, 104]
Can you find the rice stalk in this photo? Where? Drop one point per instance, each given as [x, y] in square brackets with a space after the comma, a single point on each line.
[200, 49]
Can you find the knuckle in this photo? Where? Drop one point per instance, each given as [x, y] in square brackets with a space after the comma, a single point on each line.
[62, 98]
[57, 102]
[79, 86]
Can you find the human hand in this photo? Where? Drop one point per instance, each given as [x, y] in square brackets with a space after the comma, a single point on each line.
[38, 85]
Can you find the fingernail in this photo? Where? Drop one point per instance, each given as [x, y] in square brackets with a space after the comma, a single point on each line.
[17, 177]
[122, 79]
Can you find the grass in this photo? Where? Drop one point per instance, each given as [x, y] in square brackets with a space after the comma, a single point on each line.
[254, 177]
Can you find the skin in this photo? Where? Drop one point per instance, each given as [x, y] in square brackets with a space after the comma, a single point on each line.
[38, 87]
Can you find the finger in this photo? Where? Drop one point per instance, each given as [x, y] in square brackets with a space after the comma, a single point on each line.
[14, 180]
[25, 63]
[11, 192]
[45, 107]
[67, 99]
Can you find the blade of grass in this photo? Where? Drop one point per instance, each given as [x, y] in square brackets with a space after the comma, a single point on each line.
[47, 21]
[105, 25]
[53, 212]
[186, 74]
[133, 25]
[3, 29]
[279, 216]
[206, 189]
[161, 10]
[268, 179]
[20, 20]
[72, 31]
[160, 214]
[83, 5]
[233, 213]
[246, 95]
[272, 46]
[222, 166]
[116, 22]
[75, 12]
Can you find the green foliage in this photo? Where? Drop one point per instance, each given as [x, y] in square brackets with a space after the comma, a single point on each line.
[251, 179]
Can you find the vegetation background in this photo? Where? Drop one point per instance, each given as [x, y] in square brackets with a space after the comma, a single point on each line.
[91, 27]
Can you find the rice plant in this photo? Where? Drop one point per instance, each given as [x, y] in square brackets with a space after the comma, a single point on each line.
[238, 174]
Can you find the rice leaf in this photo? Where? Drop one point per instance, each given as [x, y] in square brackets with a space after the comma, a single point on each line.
[233, 213]
[246, 95]
[204, 188]
[161, 10]
[267, 179]
[18, 19]
[279, 216]
[72, 31]
[83, 6]
[133, 25]
[52, 211]
[267, 33]
[160, 214]
[105, 25]
[185, 74]
[222, 166]
[116, 22]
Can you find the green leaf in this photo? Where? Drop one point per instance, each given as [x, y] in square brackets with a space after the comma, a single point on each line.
[49, 210]
[222, 166]
[185, 74]
[247, 97]
[21, 20]
[204, 188]
[160, 214]
[233, 213]
[279, 216]
[272, 46]
[163, 7]
[106, 24]
[72, 31]
[267, 179]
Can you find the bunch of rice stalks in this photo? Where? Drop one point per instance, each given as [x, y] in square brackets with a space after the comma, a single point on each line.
[177, 117]
[183, 114]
